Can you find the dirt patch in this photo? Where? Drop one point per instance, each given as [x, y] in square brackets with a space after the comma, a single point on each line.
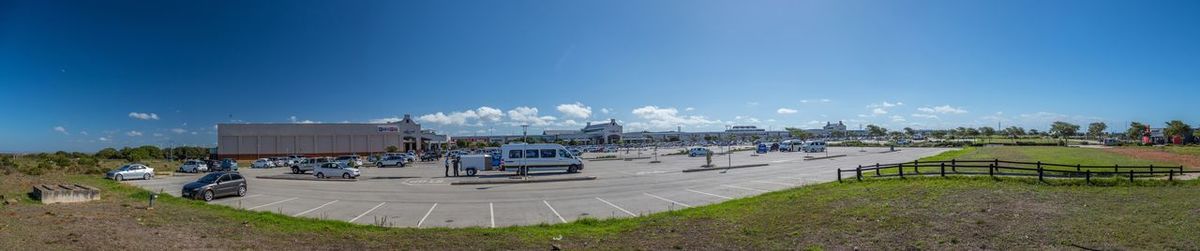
[1189, 162]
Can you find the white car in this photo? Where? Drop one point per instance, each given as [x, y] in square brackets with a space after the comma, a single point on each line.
[262, 163]
[350, 160]
[128, 171]
[699, 151]
[813, 146]
[335, 169]
[193, 166]
[394, 160]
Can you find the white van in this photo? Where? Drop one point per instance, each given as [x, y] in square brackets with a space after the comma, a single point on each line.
[538, 157]
[813, 146]
[790, 145]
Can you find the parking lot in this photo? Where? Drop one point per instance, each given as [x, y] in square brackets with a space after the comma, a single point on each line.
[419, 195]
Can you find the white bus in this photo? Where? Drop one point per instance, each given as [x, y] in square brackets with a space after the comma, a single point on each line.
[538, 157]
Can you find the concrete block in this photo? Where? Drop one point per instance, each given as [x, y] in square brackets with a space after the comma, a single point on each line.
[65, 193]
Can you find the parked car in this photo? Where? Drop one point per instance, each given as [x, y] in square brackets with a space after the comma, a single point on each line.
[336, 169]
[135, 171]
[193, 166]
[228, 164]
[215, 185]
[430, 156]
[350, 160]
[394, 160]
[262, 163]
[813, 146]
[309, 164]
[698, 151]
[278, 161]
[538, 157]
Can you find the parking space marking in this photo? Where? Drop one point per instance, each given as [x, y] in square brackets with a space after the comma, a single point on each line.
[315, 208]
[560, 218]
[492, 211]
[367, 212]
[665, 199]
[422, 221]
[231, 201]
[615, 206]
[272, 203]
[745, 188]
[770, 182]
[709, 194]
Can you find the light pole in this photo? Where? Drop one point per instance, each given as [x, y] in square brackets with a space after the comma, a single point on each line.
[524, 137]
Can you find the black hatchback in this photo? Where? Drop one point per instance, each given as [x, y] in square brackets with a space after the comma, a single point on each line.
[215, 185]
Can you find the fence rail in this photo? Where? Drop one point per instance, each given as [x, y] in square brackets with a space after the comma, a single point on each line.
[998, 167]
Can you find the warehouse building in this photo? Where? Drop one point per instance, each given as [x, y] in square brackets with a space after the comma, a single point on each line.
[251, 141]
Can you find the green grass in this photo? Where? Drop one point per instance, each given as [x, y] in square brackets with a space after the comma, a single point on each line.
[1045, 154]
[917, 213]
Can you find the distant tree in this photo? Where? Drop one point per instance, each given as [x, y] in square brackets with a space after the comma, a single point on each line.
[987, 131]
[108, 153]
[1177, 128]
[1064, 129]
[876, 131]
[908, 131]
[1034, 132]
[392, 149]
[1136, 131]
[460, 143]
[1096, 129]
[1014, 131]
[798, 133]
[938, 134]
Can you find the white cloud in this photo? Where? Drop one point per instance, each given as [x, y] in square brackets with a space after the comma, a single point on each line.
[528, 116]
[881, 108]
[824, 100]
[785, 111]
[885, 104]
[193, 133]
[158, 134]
[576, 110]
[945, 109]
[179, 130]
[133, 133]
[689, 109]
[103, 139]
[668, 117]
[85, 133]
[62, 130]
[927, 116]
[878, 111]
[143, 116]
[473, 117]
[604, 110]
[898, 118]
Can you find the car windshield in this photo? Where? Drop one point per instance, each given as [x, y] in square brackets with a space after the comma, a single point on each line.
[210, 178]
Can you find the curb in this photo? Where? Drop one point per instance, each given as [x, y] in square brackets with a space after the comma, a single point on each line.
[310, 178]
[722, 168]
[513, 181]
[827, 157]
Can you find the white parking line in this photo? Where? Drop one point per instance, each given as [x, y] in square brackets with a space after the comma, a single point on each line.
[560, 218]
[709, 194]
[235, 200]
[315, 208]
[426, 215]
[665, 199]
[615, 206]
[745, 188]
[771, 182]
[492, 211]
[367, 212]
[272, 203]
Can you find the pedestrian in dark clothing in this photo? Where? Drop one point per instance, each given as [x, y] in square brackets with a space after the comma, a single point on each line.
[456, 166]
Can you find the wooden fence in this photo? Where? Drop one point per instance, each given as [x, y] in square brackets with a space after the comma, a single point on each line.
[1010, 168]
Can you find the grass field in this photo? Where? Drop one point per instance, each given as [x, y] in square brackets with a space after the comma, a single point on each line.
[1046, 154]
[921, 213]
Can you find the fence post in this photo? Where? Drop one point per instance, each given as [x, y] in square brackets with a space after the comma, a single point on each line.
[902, 170]
[990, 168]
[953, 166]
[996, 162]
[1151, 168]
[1089, 176]
[1076, 167]
[1040, 172]
[1115, 166]
[917, 167]
[876, 169]
[1130, 175]
[1170, 175]
[943, 169]
[858, 173]
[839, 175]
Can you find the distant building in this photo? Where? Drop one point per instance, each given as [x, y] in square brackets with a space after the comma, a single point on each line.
[250, 141]
[611, 133]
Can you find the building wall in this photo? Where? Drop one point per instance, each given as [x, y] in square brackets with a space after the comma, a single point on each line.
[250, 141]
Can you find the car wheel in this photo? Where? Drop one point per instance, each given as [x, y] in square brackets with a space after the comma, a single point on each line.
[208, 195]
[572, 169]
[379, 164]
[471, 172]
[119, 177]
[295, 170]
[346, 176]
[146, 176]
[320, 175]
[242, 191]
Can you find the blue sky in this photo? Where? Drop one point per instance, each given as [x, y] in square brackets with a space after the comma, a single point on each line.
[82, 75]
